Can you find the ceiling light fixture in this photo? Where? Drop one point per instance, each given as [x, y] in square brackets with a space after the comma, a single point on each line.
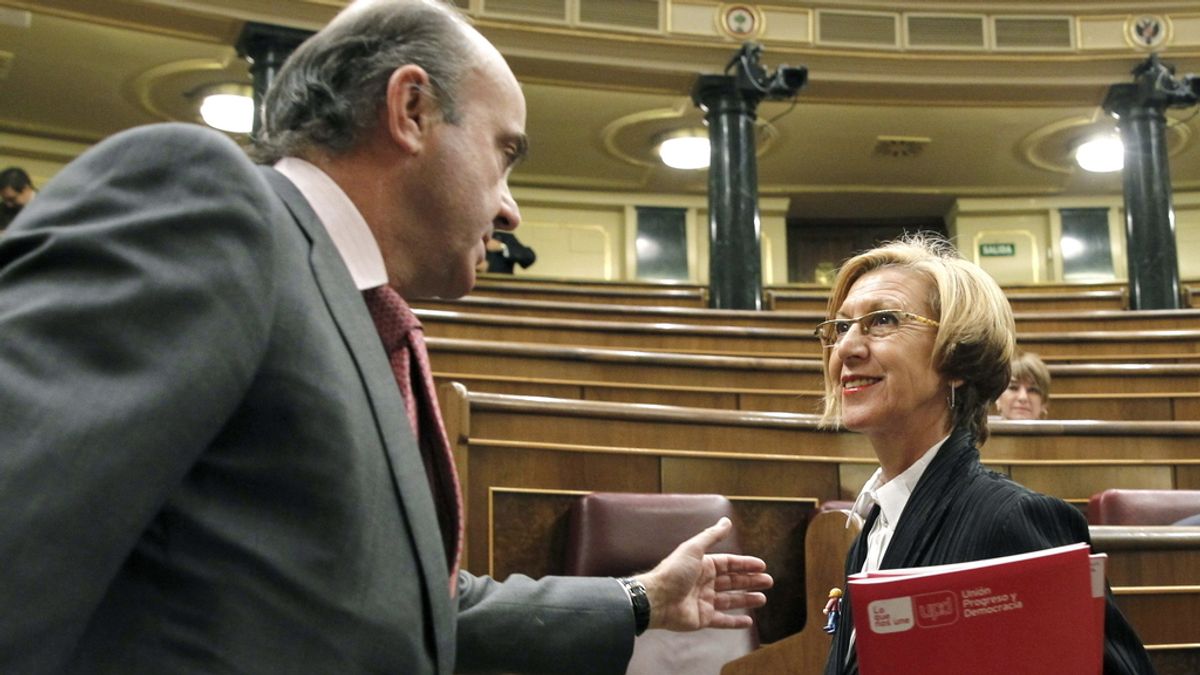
[1101, 154]
[685, 149]
[228, 107]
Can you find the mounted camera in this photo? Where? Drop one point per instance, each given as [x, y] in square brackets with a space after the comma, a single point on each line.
[754, 80]
[1160, 78]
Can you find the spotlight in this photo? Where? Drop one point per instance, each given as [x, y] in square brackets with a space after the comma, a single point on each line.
[228, 107]
[1101, 154]
[685, 149]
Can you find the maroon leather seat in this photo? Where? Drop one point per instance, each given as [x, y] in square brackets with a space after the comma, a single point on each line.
[621, 534]
[1142, 507]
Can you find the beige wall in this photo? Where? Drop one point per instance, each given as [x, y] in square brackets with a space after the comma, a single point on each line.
[574, 241]
[1035, 222]
[589, 235]
[1187, 234]
[580, 234]
[41, 158]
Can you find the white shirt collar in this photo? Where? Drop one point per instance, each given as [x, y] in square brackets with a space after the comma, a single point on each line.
[893, 495]
[349, 230]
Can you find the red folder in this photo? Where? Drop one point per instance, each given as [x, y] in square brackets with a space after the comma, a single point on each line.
[1038, 613]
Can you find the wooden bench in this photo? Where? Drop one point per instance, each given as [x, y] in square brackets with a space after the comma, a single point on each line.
[506, 281]
[545, 443]
[751, 341]
[1038, 301]
[665, 337]
[1107, 320]
[528, 530]
[627, 293]
[629, 313]
[1129, 392]
[1180, 407]
[1066, 287]
[513, 452]
[1086, 320]
[1154, 572]
[801, 297]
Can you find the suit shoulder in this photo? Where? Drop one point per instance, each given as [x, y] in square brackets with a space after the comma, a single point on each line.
[181, 149]
[1022, 518]
[175, 135]
[1000, 492]
[167, 160]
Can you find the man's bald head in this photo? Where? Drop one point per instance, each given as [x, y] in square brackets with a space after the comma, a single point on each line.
[328, 95]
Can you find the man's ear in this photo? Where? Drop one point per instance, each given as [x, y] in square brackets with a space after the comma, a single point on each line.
[410, 108]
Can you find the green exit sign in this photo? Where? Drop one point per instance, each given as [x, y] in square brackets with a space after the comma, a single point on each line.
[997, 250]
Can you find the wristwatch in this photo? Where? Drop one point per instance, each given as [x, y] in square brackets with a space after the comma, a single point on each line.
[640, 602]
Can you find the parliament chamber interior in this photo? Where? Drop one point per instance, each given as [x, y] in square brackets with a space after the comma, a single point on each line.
[613, 363]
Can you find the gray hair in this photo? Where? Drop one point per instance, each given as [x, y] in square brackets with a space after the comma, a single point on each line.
[329, 92]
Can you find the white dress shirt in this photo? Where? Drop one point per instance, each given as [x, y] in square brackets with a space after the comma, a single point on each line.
[891, 496]
[349, 230]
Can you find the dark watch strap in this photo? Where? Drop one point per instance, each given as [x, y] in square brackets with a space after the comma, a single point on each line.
[641, 604]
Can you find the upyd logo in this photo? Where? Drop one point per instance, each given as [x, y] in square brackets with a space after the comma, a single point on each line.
[936, 609]
[897, 614]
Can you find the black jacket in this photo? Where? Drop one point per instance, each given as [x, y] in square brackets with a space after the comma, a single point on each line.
[516, 253]
[961, 511]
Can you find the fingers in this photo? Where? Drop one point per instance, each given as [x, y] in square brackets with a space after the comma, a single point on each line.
[727, 601]
[759, 581]
[728, 563]
[710, 535]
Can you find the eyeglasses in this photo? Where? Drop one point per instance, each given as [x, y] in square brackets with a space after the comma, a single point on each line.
[878, 324]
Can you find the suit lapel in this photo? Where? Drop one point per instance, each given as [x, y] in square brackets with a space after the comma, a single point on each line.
[841, 639]
[918, 526]
[346, 305]
[927, 507]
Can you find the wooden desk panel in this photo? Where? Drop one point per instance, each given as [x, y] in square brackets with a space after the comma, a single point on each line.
[630, 293]
[1026, 321]
[529, 531]
[797, 435]
[731, 476]
[488, 467]
[1048, 301]
[600, 365]
[1074, 482]
[1091, 406]
[492, 457]
[771, 342]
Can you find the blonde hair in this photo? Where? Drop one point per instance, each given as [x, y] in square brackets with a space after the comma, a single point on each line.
[975, 341]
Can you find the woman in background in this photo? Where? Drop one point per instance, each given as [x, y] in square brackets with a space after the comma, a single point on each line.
[1028, 393]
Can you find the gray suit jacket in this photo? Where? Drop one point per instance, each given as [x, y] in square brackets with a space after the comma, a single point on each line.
[205, 465]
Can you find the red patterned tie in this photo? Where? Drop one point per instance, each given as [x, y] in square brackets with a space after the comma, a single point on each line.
[404, 341]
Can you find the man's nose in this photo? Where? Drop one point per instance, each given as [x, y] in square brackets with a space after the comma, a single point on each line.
[509, 216]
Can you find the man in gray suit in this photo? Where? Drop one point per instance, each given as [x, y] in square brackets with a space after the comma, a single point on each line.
[205, 461]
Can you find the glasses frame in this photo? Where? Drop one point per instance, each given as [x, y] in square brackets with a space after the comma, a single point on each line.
[862, 326]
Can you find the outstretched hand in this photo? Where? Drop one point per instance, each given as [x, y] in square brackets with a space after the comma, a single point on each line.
[691, 589]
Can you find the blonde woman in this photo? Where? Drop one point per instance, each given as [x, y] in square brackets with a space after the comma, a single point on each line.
[917, 346]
